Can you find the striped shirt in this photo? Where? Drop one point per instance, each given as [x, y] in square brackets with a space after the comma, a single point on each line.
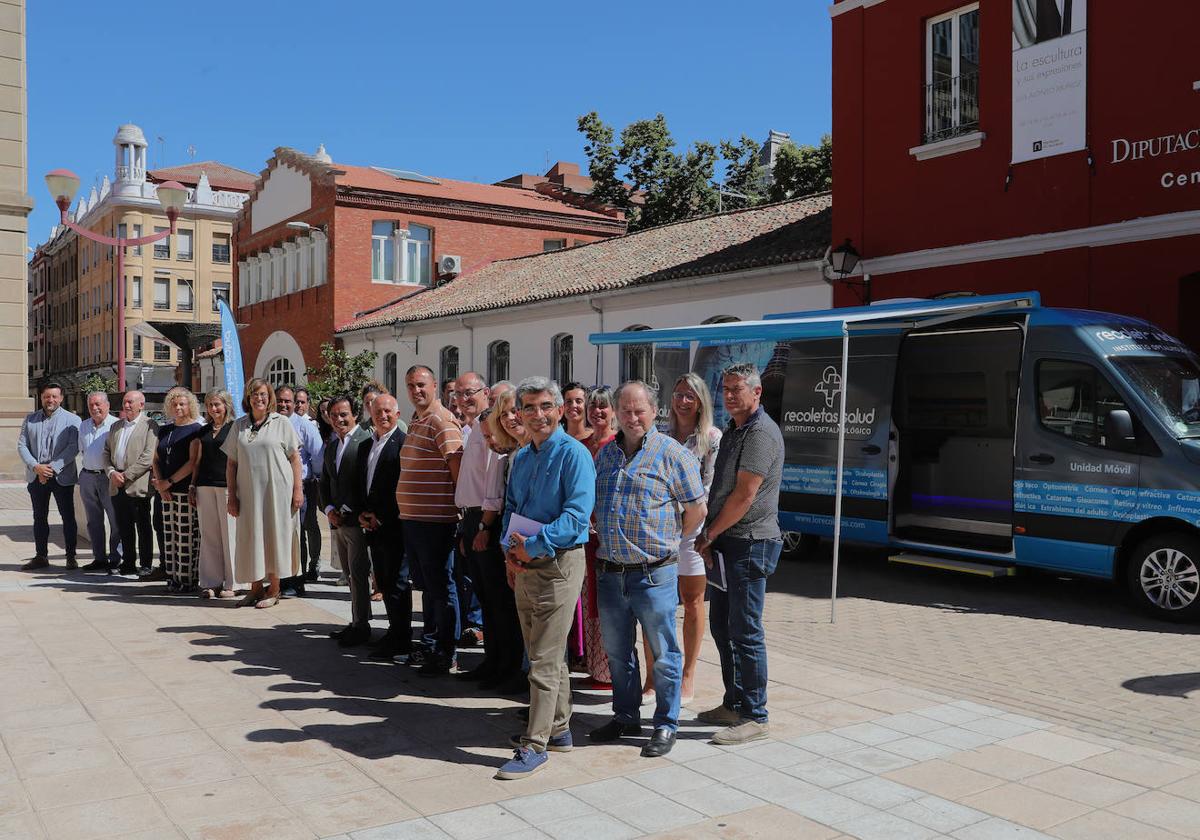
[426, 490]
[638, 499]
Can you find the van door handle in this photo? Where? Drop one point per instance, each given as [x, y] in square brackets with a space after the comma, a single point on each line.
[871, 449]
[1042, 458]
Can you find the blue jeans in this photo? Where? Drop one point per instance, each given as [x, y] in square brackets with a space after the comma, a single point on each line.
[647, 597]
[428, 546]
[64, 499]
[735, 618]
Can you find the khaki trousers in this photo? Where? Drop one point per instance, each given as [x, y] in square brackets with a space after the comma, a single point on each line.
[351, 545]
[546, 597]
[216, 539]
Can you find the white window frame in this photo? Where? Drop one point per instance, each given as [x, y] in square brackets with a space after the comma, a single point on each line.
[955, 69]
[423, 255]
[166, 281]
[185, 235]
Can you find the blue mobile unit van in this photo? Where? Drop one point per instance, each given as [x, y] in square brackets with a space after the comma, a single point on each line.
[984, 430]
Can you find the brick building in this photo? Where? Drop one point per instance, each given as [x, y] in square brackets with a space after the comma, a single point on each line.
[1004, 145]
[319, 242]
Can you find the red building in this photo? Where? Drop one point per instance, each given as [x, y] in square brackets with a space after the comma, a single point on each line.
[319, 242]
[1021, 144]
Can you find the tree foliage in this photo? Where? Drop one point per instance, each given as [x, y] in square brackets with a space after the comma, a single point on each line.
[642, 173]
[95, 382]
[803, 170]
[340, 373]
[745, 182]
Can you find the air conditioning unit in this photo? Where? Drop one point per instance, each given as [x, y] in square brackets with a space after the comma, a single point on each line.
[449, 264]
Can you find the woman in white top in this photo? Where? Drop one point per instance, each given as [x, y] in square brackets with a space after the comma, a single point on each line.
[690, 421]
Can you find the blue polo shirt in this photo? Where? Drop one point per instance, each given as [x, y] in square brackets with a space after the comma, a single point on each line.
[554, 484]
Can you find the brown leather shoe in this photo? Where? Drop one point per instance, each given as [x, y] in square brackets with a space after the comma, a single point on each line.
[34, 563]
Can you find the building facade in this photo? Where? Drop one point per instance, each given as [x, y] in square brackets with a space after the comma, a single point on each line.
[171, 286]
[39, 283]
[532, 315]
[15, 205]
[320, 242]
[1007, 145]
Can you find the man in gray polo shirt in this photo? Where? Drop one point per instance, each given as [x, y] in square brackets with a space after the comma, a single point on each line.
[742, 528]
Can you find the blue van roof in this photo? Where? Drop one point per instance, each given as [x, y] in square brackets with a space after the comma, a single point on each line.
[883, 317]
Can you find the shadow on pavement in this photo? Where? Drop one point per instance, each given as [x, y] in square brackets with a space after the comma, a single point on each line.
[1165, 685]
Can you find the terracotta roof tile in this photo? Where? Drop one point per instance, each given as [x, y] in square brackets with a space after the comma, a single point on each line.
[789, 231]
[220, 175]
[370, 178]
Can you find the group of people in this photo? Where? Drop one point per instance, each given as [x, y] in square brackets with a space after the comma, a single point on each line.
[548, 523]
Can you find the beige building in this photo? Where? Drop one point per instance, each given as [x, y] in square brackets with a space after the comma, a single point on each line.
[15, 205]
[171, 286]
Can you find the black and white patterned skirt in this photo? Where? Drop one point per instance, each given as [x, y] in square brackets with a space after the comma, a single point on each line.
[181, 532]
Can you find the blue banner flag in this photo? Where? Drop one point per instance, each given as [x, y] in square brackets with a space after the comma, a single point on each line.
[231, 348]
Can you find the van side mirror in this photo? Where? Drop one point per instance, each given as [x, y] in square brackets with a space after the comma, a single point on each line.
[1118, 427]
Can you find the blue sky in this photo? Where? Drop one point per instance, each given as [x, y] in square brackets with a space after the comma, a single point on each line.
[471, 90]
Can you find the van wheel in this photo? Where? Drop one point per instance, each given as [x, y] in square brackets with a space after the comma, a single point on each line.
[1163, 576]
[798, 546]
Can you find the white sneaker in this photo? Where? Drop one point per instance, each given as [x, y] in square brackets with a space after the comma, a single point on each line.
[343, 580]
[747, 730]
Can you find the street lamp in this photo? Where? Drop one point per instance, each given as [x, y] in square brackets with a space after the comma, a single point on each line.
[842, 261]
[172, 195]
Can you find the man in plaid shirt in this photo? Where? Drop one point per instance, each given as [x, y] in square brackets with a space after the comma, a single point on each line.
[644, 479]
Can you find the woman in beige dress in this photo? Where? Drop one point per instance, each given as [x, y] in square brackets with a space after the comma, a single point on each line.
[265, 494]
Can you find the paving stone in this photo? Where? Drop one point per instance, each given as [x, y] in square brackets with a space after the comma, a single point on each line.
[1173, 813]
[825, 772]
[831, 808]
[1134, 768]
[944, 779]
[878, 792]
[871, 734]
[1050, 745]
[938, 814]
[1013, 765]
[885, 827]
[671, 779]
[725, 767]
[541, 808]
[918, 748]
[418, 829]
[608, 794]
[591, 826]
[948, 713]
[659, 816]
[1025, 805]
[1084, 786]
[825, 743]
[998, 829]
[776, 754]
[960, 738]
[480, 822]
[717, 800]
[776, 787]
[912, 724]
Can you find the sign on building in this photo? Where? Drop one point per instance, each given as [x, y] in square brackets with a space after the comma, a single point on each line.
[1049, 83]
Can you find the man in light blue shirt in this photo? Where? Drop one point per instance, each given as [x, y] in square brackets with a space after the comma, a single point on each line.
[93, 485]
[48, 444]
[552, 481]
[312, 449]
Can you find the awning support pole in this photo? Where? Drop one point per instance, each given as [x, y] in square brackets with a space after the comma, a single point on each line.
[841, 460]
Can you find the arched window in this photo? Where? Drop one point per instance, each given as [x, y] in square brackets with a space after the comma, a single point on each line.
[280, 372]
[637, 360]
[389, 372]
[497, 361]
[448, 363]
[721, 319]
[562, 358]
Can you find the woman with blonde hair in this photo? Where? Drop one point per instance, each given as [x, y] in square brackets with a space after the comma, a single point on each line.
[690, 421]
[265, 493]
[171, 475]
[210, 497]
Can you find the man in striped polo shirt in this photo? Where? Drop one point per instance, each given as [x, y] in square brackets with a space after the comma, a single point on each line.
[429, 464]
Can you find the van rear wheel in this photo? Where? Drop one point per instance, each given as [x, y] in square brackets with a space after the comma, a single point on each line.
[1163, 576]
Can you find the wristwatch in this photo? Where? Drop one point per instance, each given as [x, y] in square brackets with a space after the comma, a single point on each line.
[483, 526]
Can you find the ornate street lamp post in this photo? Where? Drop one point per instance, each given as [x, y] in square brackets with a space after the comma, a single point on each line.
[63, 184]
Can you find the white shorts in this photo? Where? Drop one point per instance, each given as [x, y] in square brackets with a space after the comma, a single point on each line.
[690, 562]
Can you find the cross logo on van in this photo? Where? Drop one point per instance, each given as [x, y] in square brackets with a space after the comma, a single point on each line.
[830, 385]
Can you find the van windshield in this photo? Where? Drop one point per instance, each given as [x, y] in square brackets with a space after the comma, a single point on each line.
[1170, 385]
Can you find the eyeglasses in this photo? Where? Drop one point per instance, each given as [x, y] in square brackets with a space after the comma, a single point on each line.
[470, 392]
[544, 408]
[684, 396]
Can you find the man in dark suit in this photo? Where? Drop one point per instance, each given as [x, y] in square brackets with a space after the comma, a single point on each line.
[48, 444]
[341, 500]
[379, 472]
[128, 454]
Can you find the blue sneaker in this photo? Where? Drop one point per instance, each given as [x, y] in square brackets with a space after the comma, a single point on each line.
[525, 762]
[558, 743]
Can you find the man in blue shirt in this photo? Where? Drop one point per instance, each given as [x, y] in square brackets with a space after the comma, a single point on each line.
[93, 485]
[643, 479]
[552, 482]
[311, 451]
[48, 444]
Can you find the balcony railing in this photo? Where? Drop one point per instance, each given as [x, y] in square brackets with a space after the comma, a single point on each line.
[220, 253]
[951, 107]
[162, 252]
